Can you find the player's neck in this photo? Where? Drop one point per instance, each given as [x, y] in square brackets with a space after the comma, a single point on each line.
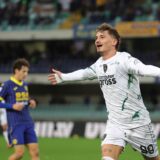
[17, 78]
[108, 54]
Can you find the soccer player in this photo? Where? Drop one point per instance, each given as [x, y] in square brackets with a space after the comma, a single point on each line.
[20, 124]
[118, 75]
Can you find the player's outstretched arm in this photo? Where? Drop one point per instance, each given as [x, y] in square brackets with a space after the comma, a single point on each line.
[55, 77]
[135, 66]
[78, 75]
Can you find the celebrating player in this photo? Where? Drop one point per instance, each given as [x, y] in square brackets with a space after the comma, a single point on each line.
[117, 73]
[20, 124]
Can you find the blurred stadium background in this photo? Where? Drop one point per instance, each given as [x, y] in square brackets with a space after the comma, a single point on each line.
[60, 34]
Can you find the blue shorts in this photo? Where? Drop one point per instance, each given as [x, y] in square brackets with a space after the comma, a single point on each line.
[22, 134]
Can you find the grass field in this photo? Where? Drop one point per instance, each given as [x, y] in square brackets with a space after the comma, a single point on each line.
[69, 149]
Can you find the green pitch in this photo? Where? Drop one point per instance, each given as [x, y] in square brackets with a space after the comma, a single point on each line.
[69, 149]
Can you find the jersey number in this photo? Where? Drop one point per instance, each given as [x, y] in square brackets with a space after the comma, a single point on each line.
[148, 149]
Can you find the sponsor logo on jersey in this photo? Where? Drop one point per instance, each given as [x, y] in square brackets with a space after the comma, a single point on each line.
[22, 96]
[107, 80]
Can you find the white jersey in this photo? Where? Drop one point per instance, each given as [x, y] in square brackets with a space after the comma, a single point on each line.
[119, 82]
[3, 116]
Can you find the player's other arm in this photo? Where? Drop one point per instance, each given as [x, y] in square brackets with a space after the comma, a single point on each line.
[82, 74]
[135, 66]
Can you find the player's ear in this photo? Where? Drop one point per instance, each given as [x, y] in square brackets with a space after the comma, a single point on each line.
[16, 71]
[114, 42]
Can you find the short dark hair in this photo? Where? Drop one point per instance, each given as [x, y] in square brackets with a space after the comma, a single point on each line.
[18, 63]
[112, 31]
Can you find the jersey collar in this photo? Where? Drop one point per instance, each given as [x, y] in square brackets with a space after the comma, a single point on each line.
[111, 58]
[16, 81]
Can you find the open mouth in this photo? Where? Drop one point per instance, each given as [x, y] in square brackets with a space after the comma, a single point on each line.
[99, 45]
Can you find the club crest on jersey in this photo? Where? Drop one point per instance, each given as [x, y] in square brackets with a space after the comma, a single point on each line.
[14, 141]
[105, 68]
[15, 88]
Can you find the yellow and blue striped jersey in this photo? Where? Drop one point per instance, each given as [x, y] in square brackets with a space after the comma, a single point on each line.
[13, 91]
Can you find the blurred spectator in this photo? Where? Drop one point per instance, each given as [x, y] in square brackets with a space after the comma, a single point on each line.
[66, 13]
[45, 11]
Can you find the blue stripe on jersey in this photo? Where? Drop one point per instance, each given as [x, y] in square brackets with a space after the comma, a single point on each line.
[13, 92]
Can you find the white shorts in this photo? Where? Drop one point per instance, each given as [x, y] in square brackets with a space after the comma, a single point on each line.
[3, 116]
[141, 139]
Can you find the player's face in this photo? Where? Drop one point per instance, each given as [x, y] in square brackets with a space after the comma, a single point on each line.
[104, 42]
[22, 73]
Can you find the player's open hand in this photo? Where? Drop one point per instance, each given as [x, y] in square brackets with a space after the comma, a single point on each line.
[55, 77]
[18, 106]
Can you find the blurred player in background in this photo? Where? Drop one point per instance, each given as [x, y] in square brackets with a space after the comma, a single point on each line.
[20, 124]
[117, 73]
